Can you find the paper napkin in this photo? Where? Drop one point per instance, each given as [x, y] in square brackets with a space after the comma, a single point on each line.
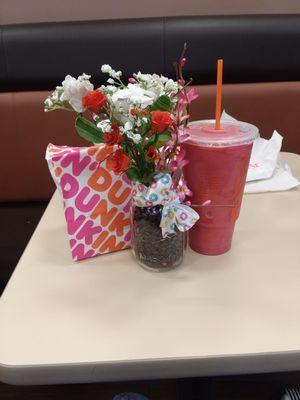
[266, 172]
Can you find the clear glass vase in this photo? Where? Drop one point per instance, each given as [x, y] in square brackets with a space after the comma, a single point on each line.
[151, 250]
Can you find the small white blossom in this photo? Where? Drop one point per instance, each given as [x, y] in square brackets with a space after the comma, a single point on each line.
[171, 86]
[133, 94]
[84, 77]
[111, 81]
[104, 125]
[128, 126]
[54, 100]
[96, 117]
[48, 102]
[118, 74]
[108, 89]
[163, 79]
[106, 68]
[135, 137]
[75, 89]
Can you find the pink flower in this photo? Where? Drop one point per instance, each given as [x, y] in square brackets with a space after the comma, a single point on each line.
[192, 95]
[182, 62]
[179, 162]
[187, 98]
[183, 135]
[183, 190]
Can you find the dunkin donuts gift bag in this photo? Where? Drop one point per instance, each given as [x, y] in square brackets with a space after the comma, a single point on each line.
[96, 201]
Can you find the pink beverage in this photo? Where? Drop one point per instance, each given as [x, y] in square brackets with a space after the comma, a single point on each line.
[217, 169]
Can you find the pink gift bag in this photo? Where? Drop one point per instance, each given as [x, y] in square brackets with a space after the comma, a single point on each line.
[96, 201]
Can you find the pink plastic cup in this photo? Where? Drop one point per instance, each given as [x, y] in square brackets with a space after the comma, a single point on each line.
[217, 169]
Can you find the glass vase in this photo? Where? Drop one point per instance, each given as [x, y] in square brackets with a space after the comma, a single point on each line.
[151, 250]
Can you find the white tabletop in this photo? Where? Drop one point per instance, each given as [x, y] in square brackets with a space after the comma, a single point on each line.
[107, 319]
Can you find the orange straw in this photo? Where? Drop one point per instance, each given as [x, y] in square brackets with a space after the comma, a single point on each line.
[219, 94]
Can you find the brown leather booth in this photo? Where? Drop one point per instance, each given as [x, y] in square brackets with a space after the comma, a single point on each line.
[262, 86]
[26, 129]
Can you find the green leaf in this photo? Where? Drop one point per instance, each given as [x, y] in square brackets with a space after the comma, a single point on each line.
[151, 141]
[163, 103]
[149, 178]
[145, 128]
[133, 174]
[163, 138]
[88, 130]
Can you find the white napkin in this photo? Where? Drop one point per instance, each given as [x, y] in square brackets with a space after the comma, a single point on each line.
[282, 179]
[266, 173]
[264, 157]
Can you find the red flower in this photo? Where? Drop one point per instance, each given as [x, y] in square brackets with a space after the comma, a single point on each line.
[118, 161]
[160, 121]
[94, 101]
[133, 111]
[151, 153]
[113, 137]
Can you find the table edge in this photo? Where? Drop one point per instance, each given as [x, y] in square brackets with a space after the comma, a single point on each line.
[146, 369]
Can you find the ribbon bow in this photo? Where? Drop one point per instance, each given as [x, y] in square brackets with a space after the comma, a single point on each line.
[174, 214]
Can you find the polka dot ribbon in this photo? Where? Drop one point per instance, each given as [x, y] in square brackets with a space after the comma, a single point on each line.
[174, 213]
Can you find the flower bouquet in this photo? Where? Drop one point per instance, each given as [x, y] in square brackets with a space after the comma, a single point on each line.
[144, 121]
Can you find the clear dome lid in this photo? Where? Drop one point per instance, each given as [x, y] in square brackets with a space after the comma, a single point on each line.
[232, 133]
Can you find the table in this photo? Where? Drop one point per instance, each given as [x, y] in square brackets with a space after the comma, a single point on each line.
[107, 319]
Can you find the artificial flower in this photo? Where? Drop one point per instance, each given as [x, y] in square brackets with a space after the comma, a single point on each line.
[135, 137]
[133, 111]
[179, 161]
[118, 162]
[133, 94]
[107, 69]
[188, 97]
[75, 89]
[151, 153]
[94, 101]
[160, 121]
[104, 125]
[113, 137]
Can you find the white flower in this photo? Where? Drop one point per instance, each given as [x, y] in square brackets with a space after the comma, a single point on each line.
[117, 74]
[48, 102]
[84, 77]
[104, 125]
[171, 86]
[136, 137]
[109, 89]
[163, 79]
[111, 81]
[54, 100]
[133, 94]
[75, 89]
[106, 68]
[128, 126]
[157, 84]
